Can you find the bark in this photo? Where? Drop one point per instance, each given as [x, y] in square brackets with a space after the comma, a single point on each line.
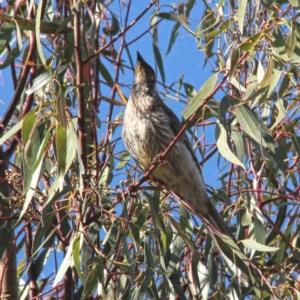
[8, 272]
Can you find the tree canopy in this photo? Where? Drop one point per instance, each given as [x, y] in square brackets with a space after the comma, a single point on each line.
[78, 219]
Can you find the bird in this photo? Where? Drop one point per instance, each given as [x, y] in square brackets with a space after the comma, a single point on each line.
[149, 126]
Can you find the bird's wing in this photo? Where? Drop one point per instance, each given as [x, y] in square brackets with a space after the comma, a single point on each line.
[176, 125]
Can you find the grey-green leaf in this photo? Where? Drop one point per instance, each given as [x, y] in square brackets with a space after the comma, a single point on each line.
[241, 14]
[202, 94]
[222, 144]
[257, 246]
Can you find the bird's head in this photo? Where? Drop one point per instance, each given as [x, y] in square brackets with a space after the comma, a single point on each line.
[144, 74]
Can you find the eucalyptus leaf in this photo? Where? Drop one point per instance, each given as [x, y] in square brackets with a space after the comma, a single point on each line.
[201, 95]
[222, 144]
[251, 244]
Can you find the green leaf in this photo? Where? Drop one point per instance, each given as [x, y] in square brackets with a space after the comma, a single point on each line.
[33, 174]
[201, 272]
[223, 146]
[296, 144]
[106, 174]
[114, 28]
[295, 3]
[28, 126]
[238, 142]
[61, 152]
[31, 191]
[260, 72]
[275, 79]
[19, 37]
[242, 5]
[91, 282]
[39, 263]
[234, 58]
[254, 40]
[65, 265]
[154, 207]
[290, 43]
[44, 78]
[39, 45]
[106, 75]
[61, 106]
[173, 37]
[259, 231]
[169, 16]
[123, 160]
[25, 24]
[43, 234]
[268, 74]
[183, 17]
[6, 34]
[247, 218]
[251, 244]
[72, 143]
[156, 51]
[202, 94]
[280, 219]
[281, 113]
[254, 127]
[39, 82]
[76, 244]
[223, 27]
[11, 132]
[148, 279]
[234, 257]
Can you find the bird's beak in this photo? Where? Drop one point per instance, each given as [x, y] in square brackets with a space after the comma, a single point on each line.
[139, 57]
[140, 62]
[143, 72]
[140, 66]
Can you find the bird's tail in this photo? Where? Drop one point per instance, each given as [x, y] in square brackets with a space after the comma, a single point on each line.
[224, 239]
[213, 218]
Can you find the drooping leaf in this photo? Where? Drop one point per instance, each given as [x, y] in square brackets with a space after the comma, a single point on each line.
[234, 57]
[11, 132]
[76, 244]
[65, 265]
[201, 95]
[27, 127]
[223, 146]
[257, 246]
[156, 51]
[254, 127]
[173, 37]
[94, 277]
[105, 73]
[268, 74]
[34, 173]
[39, 45]
[238, 142]
[242, 5]
[290, 43]
[61, 152]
